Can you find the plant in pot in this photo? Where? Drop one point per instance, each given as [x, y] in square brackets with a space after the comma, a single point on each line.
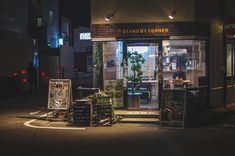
[136, 60]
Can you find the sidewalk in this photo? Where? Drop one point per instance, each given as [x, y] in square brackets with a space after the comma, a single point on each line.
[222, 113]
[215, 116]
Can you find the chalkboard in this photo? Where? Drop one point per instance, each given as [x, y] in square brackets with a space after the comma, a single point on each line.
[173, 108]
[102, 114]
[60, 94]
[82, 112]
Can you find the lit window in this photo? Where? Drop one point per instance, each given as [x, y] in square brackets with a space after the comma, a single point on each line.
[50, 20]
[229, 59]
[189, 55]
[39, 21]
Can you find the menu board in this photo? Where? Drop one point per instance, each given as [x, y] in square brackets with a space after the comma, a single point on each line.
[60, 94]
[173, 107]
[114, 88]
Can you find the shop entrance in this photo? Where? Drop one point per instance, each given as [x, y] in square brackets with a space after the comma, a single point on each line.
[142, 87]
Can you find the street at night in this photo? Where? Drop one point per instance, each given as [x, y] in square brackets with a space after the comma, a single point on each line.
[117, 77]
[120, 139]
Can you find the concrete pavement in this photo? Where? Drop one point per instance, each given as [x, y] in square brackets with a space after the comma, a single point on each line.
[120, 140]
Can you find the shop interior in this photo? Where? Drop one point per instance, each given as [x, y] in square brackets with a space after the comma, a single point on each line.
[189, 55]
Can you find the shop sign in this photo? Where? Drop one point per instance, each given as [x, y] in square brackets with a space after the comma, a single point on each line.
[230, 36]
[139, 30]
[85, 36]
[145, 31]
[60, 94]
[229, 28]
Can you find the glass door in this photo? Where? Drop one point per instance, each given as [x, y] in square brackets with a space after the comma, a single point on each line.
[142, 75]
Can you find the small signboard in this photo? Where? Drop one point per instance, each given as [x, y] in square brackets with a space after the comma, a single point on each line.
[173, 109]
[60, 94]
[114, 88]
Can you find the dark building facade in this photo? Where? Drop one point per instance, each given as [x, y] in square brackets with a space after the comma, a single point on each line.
[33, 31]
[15, 45]
[53, 35]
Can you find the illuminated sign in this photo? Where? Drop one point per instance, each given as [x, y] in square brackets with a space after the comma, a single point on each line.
[229, 28]
[85, 36]
[140, 30]
[61, 41]
[145, 31]
[230, 36]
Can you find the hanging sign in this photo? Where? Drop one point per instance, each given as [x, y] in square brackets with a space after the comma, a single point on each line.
[60, 94]
[229, 29]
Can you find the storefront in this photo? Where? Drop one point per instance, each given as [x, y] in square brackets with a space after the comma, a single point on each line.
[143, 57]
[229, 60]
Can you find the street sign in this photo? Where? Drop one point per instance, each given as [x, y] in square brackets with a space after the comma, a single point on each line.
[60, 94]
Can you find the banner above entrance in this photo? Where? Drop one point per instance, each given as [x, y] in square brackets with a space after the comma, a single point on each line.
[143, 30]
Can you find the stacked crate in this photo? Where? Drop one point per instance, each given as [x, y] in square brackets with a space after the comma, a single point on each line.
[82, 112]
[102, 112]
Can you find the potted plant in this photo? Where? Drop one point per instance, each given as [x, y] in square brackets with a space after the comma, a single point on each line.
[136, 60]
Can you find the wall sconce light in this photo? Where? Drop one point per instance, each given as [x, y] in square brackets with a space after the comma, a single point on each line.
[172, 15]
[109, 17]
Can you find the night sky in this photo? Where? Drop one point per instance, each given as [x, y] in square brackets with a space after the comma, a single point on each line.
[76, 10]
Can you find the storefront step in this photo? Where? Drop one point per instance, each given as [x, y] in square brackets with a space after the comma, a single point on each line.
[137, 114]
[140, 120]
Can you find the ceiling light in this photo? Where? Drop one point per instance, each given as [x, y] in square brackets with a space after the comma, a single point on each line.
[109, 17]
[172, 15]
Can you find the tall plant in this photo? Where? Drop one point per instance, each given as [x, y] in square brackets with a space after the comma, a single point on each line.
[136, 60]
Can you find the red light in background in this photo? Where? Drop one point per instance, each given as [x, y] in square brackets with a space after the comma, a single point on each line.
[23, 72]
[43, 74]
[24, 80]
[15, 74]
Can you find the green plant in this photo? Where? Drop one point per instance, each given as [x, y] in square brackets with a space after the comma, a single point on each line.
[98, 57]
[136, 60]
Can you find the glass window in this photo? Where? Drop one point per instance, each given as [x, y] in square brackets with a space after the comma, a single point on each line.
[229, 59]
[50, 19]
[149, 53]
[112, 59]
[39, 21]
[184, 60]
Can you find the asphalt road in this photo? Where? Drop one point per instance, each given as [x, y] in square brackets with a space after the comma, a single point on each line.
[119, 140]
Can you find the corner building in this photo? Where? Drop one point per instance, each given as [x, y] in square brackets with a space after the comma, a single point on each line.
[191, 38]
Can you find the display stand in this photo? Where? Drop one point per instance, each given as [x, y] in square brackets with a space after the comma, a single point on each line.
[59, 95]
[102, 112]
[82, 112]
[173, 108]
